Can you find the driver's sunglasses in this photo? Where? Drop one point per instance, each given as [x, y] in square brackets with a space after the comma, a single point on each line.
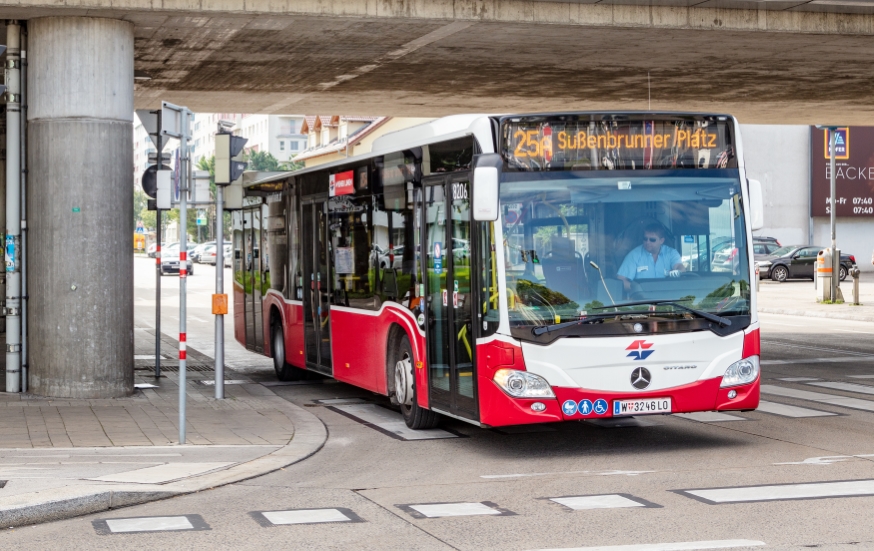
[651, 239]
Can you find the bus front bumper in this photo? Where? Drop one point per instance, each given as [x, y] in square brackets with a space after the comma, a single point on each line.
[499, 409]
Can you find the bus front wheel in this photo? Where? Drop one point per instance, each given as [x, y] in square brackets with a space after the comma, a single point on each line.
[284, 371]
[415, 416]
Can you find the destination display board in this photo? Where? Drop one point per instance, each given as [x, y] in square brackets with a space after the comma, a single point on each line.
[565, 142]
[854, 172]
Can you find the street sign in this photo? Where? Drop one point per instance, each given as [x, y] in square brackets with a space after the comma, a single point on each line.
[854, 172]
[150, 123]
[150, 180]
[173, 118]
[201, 218]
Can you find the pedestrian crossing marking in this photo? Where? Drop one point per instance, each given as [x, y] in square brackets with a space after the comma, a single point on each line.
[149, 524]
[821, 397]
[786, 410]
[461, 509]
[304, 516]
[848, 387]
[710, 417]
[783, 492]
[604, 501]
[678, 546]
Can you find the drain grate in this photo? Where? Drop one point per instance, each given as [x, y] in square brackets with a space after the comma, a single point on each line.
[188, 367]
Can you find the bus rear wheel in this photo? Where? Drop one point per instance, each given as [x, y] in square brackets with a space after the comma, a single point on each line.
[284, 371]
[415, 416]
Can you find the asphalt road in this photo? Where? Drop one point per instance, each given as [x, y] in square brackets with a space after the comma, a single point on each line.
[649, 479]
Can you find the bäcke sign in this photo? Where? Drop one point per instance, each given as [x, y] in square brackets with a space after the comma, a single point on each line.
[854, 172]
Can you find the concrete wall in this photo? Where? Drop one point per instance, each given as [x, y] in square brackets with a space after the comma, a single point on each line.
[779, 157]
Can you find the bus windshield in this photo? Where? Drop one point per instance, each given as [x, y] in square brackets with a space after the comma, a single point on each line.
[583, 244]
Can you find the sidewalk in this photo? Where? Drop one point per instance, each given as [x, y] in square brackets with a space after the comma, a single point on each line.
[797, 298]
[61, 458]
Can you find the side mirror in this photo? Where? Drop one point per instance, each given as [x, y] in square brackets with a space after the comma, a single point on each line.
[485, 187]
[757, 205]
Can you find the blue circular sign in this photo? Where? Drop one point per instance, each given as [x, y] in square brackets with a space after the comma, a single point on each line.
[600, 406]
[569, 407]
[585, 407]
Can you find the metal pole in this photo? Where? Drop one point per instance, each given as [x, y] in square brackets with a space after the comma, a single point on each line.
[219, 289]
[23, 103]
[835, 261]
[159, 139]
[13, 207]
[183, 263]
[158, 287]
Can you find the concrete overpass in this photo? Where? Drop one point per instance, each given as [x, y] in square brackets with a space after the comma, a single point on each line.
[769, 62]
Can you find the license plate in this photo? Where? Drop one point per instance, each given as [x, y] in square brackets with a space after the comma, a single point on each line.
[641, 407]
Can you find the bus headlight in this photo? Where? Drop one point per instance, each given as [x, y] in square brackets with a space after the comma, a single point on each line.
[741, 373]
[521, 384]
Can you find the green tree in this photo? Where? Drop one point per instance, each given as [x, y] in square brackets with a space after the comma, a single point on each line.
[140, 207]
[262, 161]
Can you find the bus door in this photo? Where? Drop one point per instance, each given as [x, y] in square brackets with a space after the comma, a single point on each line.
[250, 266]
[317, 269]
[449, 303]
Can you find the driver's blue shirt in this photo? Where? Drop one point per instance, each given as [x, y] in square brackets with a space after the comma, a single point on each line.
[638, 263]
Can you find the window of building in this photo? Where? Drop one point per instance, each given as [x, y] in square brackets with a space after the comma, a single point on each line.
[294, 146]
[281, 147]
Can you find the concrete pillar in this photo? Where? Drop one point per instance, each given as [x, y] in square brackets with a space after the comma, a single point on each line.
[80, 207]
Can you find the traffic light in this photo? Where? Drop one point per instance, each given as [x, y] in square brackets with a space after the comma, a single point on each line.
[228, 166]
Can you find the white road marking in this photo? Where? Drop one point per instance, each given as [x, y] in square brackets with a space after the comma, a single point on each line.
[849, 387]
[593, 473]
[208, 382]
[791, 411]
[145, 385]
[118, 525]
[679, 546]
[390, 421]
[860, 376]
[609, 501]
[162, 473]
[827, 460]
[831, 399]
[710, 417]
[853, 331]
[436, 510]
[821, 349]
[305, 516]
[848, 488]
[798, 379]
[831, 360]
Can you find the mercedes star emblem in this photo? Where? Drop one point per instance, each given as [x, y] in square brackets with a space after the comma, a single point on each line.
[640, 378]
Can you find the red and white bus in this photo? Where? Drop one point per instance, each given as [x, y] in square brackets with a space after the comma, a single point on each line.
[518, 269]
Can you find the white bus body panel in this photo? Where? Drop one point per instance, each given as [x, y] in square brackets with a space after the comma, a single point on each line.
[606, 363]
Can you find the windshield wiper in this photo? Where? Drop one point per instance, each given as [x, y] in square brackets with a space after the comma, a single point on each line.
[673, 302]
[541, 329]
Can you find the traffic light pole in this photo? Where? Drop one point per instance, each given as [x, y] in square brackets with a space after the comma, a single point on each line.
[219, 289]
[185, 177]
[833, 134]
[160, 144]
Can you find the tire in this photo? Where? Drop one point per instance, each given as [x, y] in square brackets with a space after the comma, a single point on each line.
[780, 273]
[842, 272]
[284, 371]
[415, 416]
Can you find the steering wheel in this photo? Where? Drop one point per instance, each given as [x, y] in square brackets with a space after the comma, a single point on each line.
[690, 274]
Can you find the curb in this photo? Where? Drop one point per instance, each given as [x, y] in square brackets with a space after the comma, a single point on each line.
[812, 314]
[310, 435]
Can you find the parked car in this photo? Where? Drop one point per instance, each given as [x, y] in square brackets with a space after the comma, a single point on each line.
[151, 250]
[761, 249]
[209, 254]
[170, 261]
[765, 239]
[198, 251]
[798, 261]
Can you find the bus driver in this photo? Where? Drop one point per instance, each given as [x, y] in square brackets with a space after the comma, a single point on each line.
[652, 259]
